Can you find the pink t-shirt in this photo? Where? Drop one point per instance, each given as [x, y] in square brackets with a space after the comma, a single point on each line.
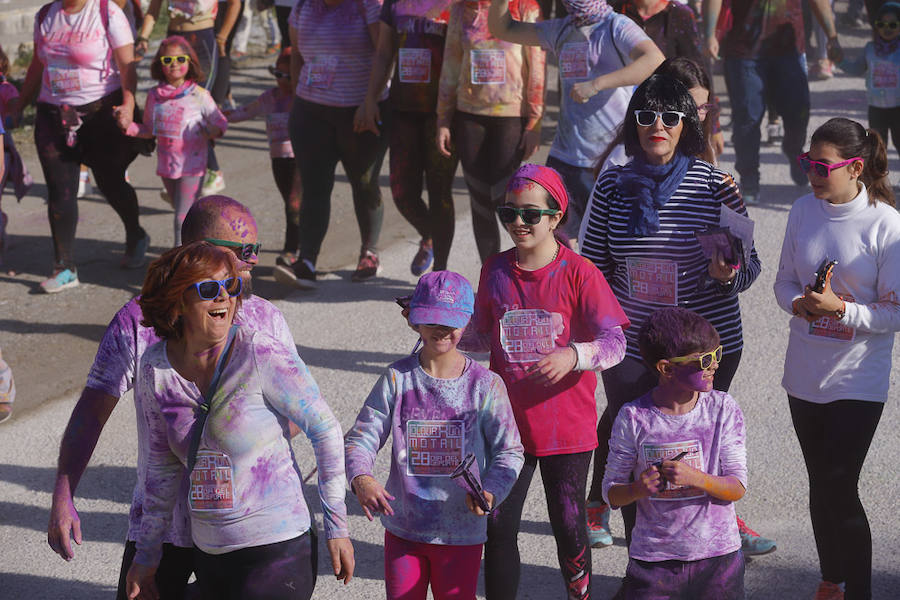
[277, 108]
[177, 117]
[76, 53]
[529, 312]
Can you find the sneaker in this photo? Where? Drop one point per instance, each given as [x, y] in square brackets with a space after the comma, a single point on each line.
[368, 266]
[421, 262]
[829, 591]
[598, 525]
[6, 409]
[286, 259]
[213, 184]
[301, 275]
[753, 544]
[822, 70]
[137, 258]
[63, 280]
[84, 187]
[273, 49]
[774, 132]
[750, 193]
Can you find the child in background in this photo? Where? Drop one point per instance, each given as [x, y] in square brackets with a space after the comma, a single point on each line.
[12, 168]
[880, 63]
[550, 320]
[683, 443]
[7, 390]
[438, 406]
[275, 104]
[184, 118]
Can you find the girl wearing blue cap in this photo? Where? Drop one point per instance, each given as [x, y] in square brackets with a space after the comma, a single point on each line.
[438, 406]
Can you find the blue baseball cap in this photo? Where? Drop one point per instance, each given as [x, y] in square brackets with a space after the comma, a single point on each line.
[442, 298]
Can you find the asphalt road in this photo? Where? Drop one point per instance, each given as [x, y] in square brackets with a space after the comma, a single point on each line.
[348, 333]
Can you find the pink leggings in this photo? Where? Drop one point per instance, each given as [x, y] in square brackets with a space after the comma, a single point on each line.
[410, 566]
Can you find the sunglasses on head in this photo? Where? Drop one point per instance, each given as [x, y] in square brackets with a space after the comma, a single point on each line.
[168, 60]
[706, 359]
[822, 169]
[670, 118]
[244, 251]
[529, 216]
[209, 289]
[279, 74]
[887, 24]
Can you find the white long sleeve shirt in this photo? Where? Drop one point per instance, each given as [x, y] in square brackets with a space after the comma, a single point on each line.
[849, 359]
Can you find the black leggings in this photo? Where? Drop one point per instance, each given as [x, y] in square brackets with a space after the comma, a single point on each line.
[490, 150]
[222, 83]
[321, 136]
[282, 15]
[172, 574]
[834, 439]
[565, 478]
[287, 180]
[884, 120]
[107, 151]
[628, 380]
[414, 154]
[281, 571]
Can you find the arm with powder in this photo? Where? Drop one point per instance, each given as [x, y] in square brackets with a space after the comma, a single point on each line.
[450, 71]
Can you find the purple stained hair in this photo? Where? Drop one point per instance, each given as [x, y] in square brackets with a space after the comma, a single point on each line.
[671, 332]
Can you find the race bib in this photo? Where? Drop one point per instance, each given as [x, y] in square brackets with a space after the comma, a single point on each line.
[211, 481]
[573, 60]
[433, 447]
[168, 120]
[693, 457]
[653, 280]
[277, 127]
[64, 79]
[885, 75]
[526, 335]
[414, 65]
[321, 72]
[830, 327]
[488, 66]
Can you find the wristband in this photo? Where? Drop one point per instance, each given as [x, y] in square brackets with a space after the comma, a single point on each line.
[140, 39]
[839, 314]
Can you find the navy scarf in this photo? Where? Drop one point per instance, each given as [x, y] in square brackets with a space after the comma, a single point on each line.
[652, 185]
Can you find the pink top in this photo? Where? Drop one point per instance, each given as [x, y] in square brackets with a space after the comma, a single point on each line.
[76, 53]
[178, 118]
[277, 108]
[527, 313]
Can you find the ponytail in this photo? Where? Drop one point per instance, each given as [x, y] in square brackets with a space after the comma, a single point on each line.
[852, 139]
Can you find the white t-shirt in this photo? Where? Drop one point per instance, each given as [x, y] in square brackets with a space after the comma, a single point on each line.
[850, 359]
[76, 52]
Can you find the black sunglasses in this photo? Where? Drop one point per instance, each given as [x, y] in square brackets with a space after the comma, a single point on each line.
[887, 24]
[244, 251]
[670, 118]
[279, 74]
[209, 289]
[529, 216]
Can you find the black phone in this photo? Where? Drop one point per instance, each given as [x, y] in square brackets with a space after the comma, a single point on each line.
[825, 267]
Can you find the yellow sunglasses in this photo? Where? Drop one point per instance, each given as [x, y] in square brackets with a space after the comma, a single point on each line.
[706, 359]
[168, 60]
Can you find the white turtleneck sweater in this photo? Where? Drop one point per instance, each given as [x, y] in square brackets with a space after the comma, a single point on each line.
[849, 359]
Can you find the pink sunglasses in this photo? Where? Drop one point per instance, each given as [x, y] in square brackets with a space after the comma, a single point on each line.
[822, 169]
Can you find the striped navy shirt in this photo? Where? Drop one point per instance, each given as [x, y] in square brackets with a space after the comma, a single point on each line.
[668, 268]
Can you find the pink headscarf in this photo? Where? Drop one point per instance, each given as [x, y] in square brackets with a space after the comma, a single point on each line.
[547, 178]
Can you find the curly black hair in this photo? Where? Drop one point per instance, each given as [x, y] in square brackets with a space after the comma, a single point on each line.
[662, 92]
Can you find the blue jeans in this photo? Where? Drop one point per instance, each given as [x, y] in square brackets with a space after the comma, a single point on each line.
[748, 81]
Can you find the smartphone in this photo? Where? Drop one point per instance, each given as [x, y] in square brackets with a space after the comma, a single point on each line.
[825, 267]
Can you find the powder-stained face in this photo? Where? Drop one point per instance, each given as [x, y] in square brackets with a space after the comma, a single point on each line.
[690, 377]
[439, 339]
[208, 320]
[237, 226]
[175, 72]
[524, 193]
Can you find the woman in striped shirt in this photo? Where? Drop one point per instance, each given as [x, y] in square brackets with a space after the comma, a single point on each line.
[641, 234]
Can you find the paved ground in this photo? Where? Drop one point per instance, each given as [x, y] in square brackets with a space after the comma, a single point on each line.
[347, 333]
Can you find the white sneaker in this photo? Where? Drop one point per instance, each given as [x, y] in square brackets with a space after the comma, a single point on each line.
[213, 184]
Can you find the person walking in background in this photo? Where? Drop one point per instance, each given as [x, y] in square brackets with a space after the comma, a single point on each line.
[763, 52]
[602, 55]
[184, 119]
[838, 361]
[407, 32]
[83, 76]
[490, 105]
[437, 530]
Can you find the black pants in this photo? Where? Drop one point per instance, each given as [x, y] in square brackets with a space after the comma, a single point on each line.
[282, 14]
[287, 180]
[107, 151]
[627, 381]
[565, 478]
[321, 136]
[222, 82]
[280, 571]
[884, 120]
[415, 160]
[172, 575]
[835, 439]
[490, 151]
